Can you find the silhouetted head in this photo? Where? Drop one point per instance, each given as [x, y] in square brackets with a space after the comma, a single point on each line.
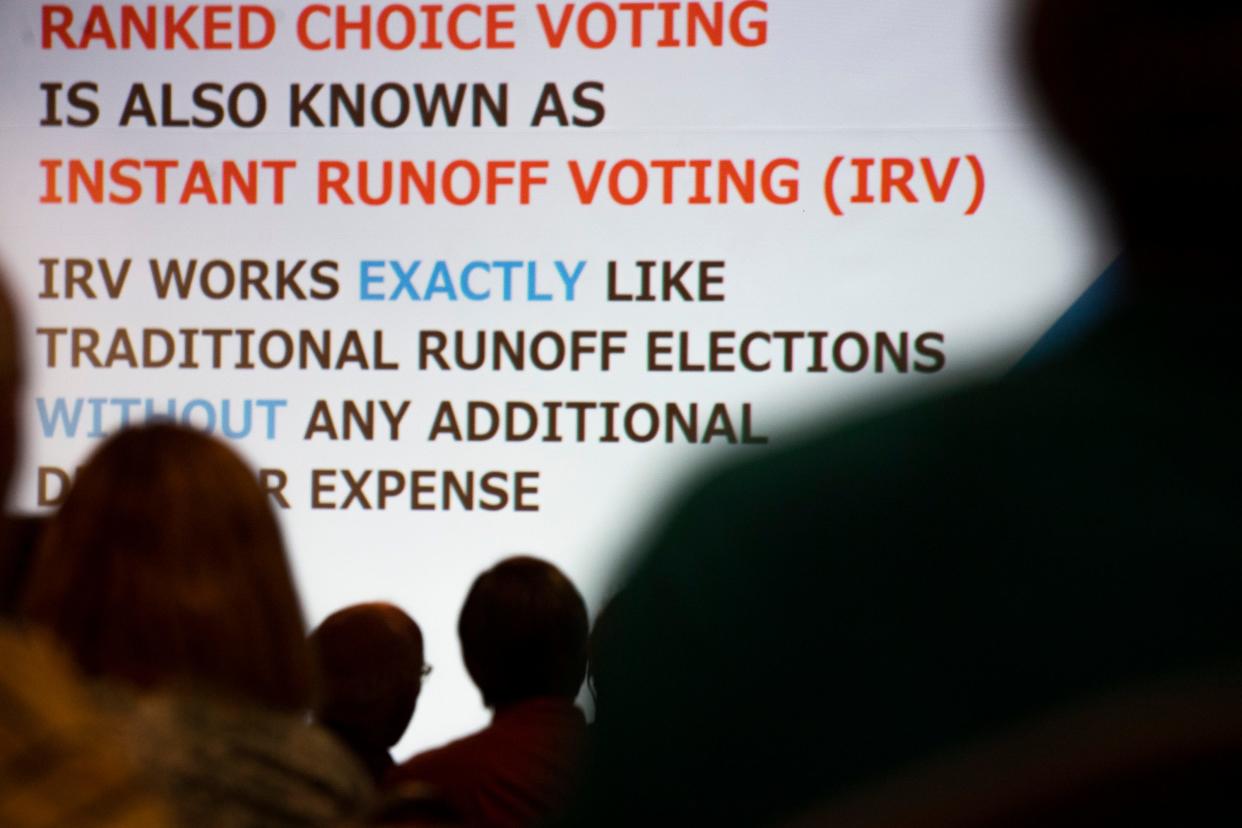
[523, 632]
[17, 551]
[14, 542]
[371, 668]
[165, 566]
[10, 386]
[1150, 96]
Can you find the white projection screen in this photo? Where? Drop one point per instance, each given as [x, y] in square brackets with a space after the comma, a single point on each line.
[680, 231]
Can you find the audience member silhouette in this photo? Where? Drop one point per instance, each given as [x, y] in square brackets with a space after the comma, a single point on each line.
[371, 666]
[19, 539]
[164, 570]
[57, 763]
[902, 585]
[523, 632]
[10, 384]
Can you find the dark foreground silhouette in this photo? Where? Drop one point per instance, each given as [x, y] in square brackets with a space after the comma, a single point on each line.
[916, 582]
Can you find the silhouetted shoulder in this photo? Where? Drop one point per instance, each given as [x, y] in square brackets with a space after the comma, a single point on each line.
[58, 747]
[892, 578]
[223, 763]
[1101, 426]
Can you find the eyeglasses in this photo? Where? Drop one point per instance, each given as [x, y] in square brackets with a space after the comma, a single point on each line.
[426, 671]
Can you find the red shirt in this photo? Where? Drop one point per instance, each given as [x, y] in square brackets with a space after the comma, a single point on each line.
[516, 773]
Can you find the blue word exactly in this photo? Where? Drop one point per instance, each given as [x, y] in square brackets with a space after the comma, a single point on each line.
[476, 281]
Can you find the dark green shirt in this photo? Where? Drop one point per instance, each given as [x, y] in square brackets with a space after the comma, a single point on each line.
[890, 588]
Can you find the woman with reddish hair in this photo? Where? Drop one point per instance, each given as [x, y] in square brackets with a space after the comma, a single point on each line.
[165, 575]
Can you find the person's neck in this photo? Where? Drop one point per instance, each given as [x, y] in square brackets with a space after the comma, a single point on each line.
[534, 702]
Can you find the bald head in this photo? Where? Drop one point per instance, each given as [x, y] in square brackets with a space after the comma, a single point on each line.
[371, 664]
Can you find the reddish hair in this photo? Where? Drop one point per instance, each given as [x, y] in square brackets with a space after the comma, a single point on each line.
[165, 565]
